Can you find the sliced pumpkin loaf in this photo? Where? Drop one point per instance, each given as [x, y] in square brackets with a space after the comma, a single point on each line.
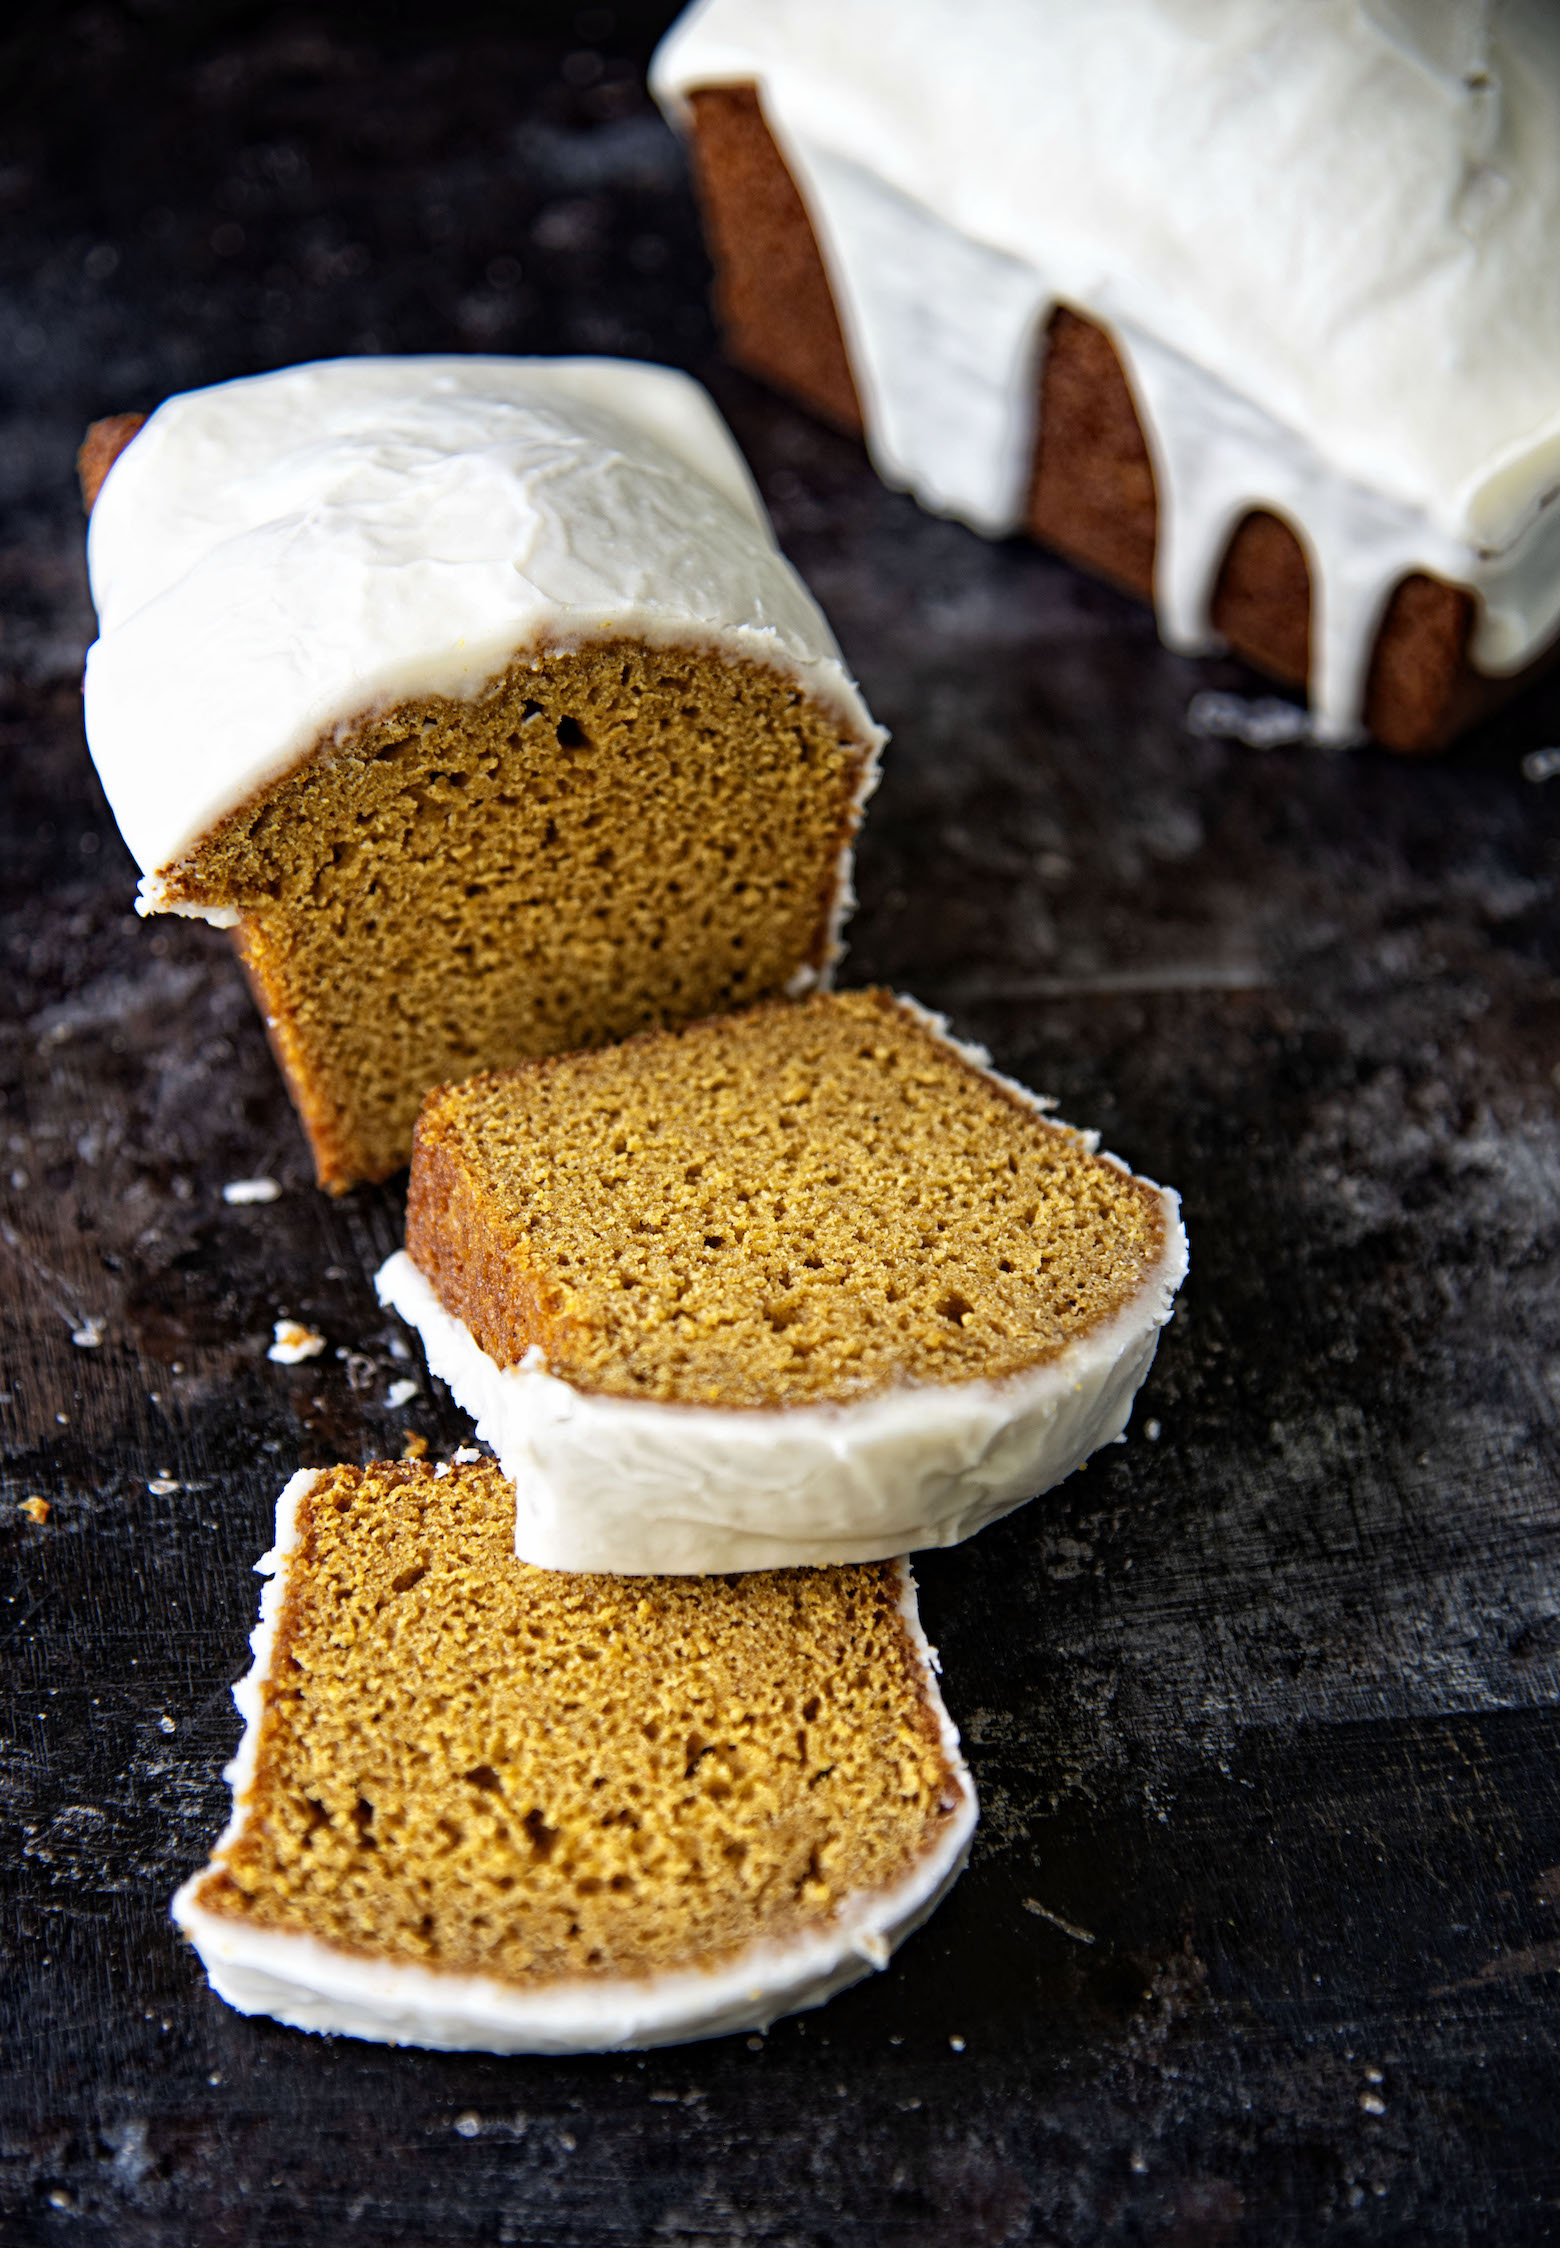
[482, 1804]
[475, 697]
[805, 1283]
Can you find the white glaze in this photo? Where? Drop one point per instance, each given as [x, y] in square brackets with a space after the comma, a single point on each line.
[620, 1484]
[1321, 237]
[312, 1986]
[275, 559]
[628, 1485]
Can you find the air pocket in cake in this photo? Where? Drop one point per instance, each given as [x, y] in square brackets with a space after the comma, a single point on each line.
[807, 1283]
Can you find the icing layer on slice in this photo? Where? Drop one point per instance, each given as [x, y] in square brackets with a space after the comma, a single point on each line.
[613, 1481]
[619, 1485]
[317, 1985]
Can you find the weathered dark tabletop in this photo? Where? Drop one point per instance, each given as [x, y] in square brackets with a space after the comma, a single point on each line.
[1262, 1935]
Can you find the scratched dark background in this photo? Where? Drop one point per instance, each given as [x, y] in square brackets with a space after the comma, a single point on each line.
[1261, 1940]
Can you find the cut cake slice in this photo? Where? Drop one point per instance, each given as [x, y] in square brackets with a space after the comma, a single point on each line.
[476, 698]
[482, 1805]
[804, 1284]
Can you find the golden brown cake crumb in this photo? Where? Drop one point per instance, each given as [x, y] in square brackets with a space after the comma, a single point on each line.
[1092, 494]
[611, 837]
[472, 1765]
[808, 1201]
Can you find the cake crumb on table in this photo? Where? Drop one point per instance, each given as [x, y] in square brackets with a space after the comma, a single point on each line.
[294, 1343]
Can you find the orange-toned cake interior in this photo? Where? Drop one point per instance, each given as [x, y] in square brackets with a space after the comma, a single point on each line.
[808, 1201]
[470, 1765]
[610, 837]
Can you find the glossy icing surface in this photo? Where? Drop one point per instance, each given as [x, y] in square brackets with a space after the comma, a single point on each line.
[1320, 238]
[276, 558]
[613, 1484]
[313, 1986]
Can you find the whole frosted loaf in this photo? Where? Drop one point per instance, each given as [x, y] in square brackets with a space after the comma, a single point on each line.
[1251, 307]
[476, 698]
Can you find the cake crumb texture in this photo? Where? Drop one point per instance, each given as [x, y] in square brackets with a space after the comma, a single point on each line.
[608, 838]
[474, 1766]
[809, 1201]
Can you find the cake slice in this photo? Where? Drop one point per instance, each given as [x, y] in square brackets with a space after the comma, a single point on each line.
[475, 697]
[805, 1284]
[480, 1804]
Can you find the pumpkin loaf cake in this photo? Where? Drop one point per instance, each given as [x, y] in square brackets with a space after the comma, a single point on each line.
[804, 1284]
[479, 1804]
[1250, 308]
[475, 697]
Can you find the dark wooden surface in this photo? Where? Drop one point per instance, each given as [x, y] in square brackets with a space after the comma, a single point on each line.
[1262, 1935]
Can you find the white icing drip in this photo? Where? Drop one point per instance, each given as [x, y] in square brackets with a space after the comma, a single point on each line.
[275, 559]
[630, 1486]
[1216, 456]
[952, 402]
[1370, 353]
[1519, 594]
[309, 1985]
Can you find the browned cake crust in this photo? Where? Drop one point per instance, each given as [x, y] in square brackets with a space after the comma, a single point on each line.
[772, 295]
[100, 448]
[1092, 492]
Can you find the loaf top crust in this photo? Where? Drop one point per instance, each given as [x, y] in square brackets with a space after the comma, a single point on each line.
[275, 559]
